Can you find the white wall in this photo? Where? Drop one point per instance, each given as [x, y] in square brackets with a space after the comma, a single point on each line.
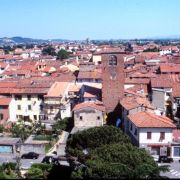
[12, 110]
[67, 111]
[24, 102]
[155, 135]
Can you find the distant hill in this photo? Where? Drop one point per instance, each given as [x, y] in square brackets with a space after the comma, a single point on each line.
[22, 40]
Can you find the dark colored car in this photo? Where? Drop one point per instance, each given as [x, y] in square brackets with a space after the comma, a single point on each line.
[165, 159]
[30, 155]
[50, 160]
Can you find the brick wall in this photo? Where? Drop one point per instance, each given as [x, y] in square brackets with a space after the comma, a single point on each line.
[112, 81]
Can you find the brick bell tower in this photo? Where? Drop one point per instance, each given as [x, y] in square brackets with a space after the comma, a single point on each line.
[112, 81]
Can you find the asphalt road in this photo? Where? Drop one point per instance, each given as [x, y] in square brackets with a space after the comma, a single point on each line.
[25, 163]
[174, 172]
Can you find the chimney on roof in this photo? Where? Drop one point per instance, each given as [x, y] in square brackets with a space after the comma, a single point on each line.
[32, 82]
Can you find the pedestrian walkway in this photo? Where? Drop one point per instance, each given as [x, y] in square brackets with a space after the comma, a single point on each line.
[60, 145]
[175, 173]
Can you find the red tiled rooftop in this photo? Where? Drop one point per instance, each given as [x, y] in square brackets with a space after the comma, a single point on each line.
[168, 68]
[57, 89]
[161, 81]
[99, 106]
[137, 81]
[176, 90]
[149, 120]
[4, 101]
[132, 102]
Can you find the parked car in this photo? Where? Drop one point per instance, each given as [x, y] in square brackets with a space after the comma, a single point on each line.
[30, 155]
[165, 159]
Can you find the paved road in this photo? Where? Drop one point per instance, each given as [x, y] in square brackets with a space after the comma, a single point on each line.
[7, 158]
[174, 172]
[25, 163]
[62, 144]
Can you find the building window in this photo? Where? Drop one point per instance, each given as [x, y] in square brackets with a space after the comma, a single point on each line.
[131, 127]
[98, 118]
[113, 60]
[51, 108]
[35, 117]
[29, 107]
[40, 97]
[176, 151]
[19, 107]
[148, 135]
[81, 118]
[41, 107]
[1, 116]
[18, 97]
[162, 135]
[42, 117]
[135, 132]
[29, 97]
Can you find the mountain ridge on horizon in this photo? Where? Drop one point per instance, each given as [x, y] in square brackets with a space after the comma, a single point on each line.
[20, 39]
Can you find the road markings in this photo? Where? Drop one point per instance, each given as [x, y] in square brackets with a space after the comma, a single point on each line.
[175, 172]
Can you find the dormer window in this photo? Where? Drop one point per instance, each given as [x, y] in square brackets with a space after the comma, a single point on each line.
[112, 60]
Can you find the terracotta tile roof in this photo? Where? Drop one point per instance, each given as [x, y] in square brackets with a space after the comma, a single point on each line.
[139, 88]
[132, 102]
[176, 90]
[168, 68]
[149, 120]
[3, 65]
[143, 75]
[85, 105]
[29, 91]
[137, 81]
[74, 88]
[57, 89]
[89, 75]
[4, 84]
[4, 101]
[161, 81]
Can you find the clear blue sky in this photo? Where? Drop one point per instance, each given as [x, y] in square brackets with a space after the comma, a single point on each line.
[96, 19]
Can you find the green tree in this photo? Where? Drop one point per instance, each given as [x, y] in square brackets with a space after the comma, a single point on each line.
[62, 54]
[20, 130]
[39, 171]
[62, 125]
[34, 173]
[49, 51]
[107, 153]
[7, 171]
[1, 128]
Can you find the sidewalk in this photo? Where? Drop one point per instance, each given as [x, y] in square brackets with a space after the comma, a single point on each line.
[60, 145]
